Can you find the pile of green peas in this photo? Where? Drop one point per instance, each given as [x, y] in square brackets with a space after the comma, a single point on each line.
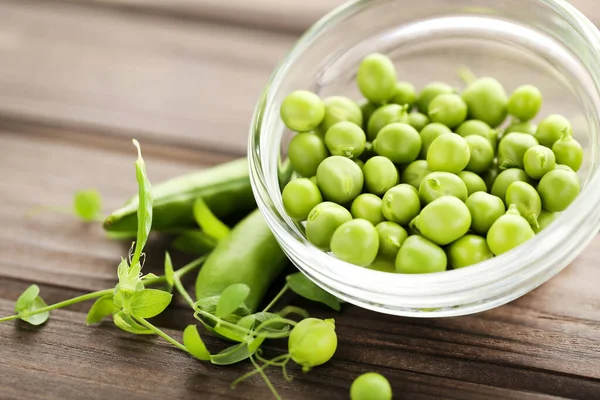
[427, 181]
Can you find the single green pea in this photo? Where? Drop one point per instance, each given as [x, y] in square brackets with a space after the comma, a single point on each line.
[367, 206]
[386, 115]
[302, 111]
[414, 173]
[558, 188]
[545, 219]
[527, 200]
[522, 127]
[448, 109]
[430, 92]
[473, 182]
[356, 242]
[568, 151]
[449, 153]
[485, 209]
[429, 133]
[299, 197]
[468, 250]
[508, 232]
[505, 178]
[306, 151]
[401, 204]
[338, 109]
[486, 101]
[345, 139]
[371, 386]
[551, 128]
[418, 120]
[438, 184]
[538, 160]
[418, 255]
[405, 94]
[312, 342]
[367, 108]
[380, 175]
[474, 127]
[399, 142]
[525, 102]
[444, 220]
[376, 78]
[323, 220]
[339, 179]
[391, 237]
[512, 148]
[481, 154]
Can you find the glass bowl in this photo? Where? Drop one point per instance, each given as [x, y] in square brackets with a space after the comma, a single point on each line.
[547, 43]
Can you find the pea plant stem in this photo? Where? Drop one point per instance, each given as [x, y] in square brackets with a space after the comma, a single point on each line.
[181, 272]
[276, 298]
[266, 378]
[161, 333]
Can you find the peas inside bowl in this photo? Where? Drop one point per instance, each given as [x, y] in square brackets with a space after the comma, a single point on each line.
[522, 44]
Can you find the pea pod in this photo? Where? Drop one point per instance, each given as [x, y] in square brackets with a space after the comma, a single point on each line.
[225, 189]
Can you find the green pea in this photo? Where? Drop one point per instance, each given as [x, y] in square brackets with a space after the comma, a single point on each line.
[438, 184]
[564, 167]
[399, 142]
[356, 242]
[302, 111]
[545, 219]
[345, 139]
[505, 178]
[558, 188]
[468, 250]
[313, 179]
[359, 162]
[380, 175]
[386, 115]
[485, 209]
[339, 179]
[448, 109]
[568, 151]
[323, 220]
[522, 127]
[376, 78]
[367, 206]
[486, 101]
[512, 148]
[527, 200]
[418, 120]
[414, 173]
[306, 151]
[444, 220]
[473, 182]
[538, 160]
[383, 264]
[418, 255]
[481, 154]
[429, 133]
[551, 128]
[401, 204]
[371, 386]
[405, 94]
[474, 127]
[525, 102]
[338, 109]
[367, 109]
[449, 153]
[299, 197]
[430, 92]
[312, 342]
[391, 237]
[508, 232]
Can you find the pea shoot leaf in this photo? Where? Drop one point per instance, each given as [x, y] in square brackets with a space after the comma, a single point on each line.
[169, 273]
[126, 323]
[87, 204]
[194, 242]
[28, 302]
[252, 321]
[148, 303]
[144, 212]
[103, 307]
[237, 352]
[209, 304]
[194, 344]
[304, 287]
[149, 276]
[223, 331]
[26, 298]
[209, 223]
[231, 299]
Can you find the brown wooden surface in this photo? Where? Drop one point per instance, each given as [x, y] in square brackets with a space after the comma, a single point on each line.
[78, 79]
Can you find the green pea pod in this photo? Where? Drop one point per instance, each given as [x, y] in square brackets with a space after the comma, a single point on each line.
[249, 255]
[225, 189]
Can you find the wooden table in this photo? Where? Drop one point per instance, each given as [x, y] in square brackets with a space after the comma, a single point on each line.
[78, 80]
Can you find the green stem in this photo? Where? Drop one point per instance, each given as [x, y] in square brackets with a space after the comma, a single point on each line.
[161, 333]
[293, 310]
[266, 363]
[56, 209]
[274, 321]
[276, 298]
[266, 379]
[179, 273]
[183, 292]
[11, 318]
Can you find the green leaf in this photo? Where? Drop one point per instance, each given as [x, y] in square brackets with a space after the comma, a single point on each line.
[223, 331]
[236, 353]
[194, 344]
[28, 302]
[253, 320]
[26, 298]
[194, 242]
[209, 304]
[169, 269]
[302, 286]
[149, 303]
[149, 276]
[209, 223]
[231, 299]
[87, 204]
[126, 323]
[101, 308]
[144, 212]
[36, 319]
